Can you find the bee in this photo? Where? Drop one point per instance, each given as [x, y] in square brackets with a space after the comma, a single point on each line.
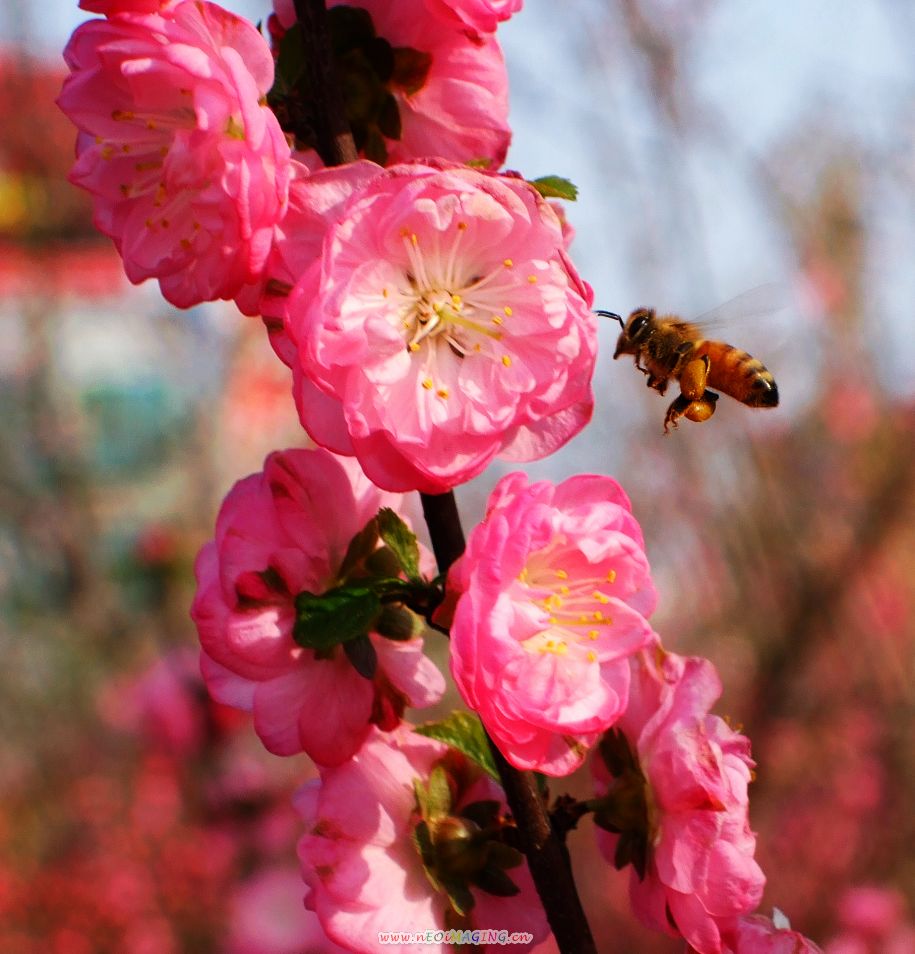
[665, 347]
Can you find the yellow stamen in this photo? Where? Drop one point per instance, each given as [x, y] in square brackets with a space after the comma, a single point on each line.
[427, 384]
[506, 360]
[532, 279]
[508, 263]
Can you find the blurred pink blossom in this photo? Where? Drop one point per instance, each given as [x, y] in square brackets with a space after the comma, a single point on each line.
[757, 934]
[460, 112]
[697, 873]
[280, 532]
[442, 325]
[361, 865]
[187, 168]
[873, 921]
[552, 594]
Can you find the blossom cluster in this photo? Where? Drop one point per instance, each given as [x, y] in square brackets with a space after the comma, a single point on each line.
[432, 321]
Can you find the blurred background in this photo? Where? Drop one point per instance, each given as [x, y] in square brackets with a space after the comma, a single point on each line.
[717, 147]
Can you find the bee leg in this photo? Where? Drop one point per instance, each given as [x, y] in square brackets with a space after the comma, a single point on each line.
[659, 384]
[697, 410]
[693, 378]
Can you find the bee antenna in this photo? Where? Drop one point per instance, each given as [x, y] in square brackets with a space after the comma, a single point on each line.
[613, 315]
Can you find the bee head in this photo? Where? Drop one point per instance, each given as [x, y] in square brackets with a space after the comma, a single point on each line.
[635, 332]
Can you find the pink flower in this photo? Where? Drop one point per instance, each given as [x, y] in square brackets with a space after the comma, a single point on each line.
[552, 594]
[873, 920]
[297, 242]
[442, 325]
[757, 934]
[475, 15]
[361, 856]
[450, 89]
[677, 797]
[187, 169]
[281, 532]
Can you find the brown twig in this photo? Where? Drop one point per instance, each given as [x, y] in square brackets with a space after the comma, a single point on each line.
[335, 143]
[545, 850]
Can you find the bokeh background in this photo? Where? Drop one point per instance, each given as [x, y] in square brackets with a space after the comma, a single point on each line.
[717, 146]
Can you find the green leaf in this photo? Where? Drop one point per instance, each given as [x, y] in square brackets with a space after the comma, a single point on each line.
[401, 540]
[463, 731]
[335, 617]
[555, 187]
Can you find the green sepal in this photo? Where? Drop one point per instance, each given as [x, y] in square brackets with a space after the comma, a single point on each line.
[374, 147]
[460, 897]
[495, 881]
[401, 540]
[463, 731]
[482, 813]
[335, 617]
[389, 117]
[350, 28]
[555, 187]
[504, 856]
[361, 548]
[398, 623]
[434, 796]
[422, 842]
[290, 63]
[411, 69]
[361, 654]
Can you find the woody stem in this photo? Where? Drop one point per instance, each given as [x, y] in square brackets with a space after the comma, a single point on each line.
[546, 853]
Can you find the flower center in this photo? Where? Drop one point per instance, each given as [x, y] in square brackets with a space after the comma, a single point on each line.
[571, 603]
[446, 301]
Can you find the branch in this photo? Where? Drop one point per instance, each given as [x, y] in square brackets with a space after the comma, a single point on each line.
[546, 853]
[335, 143]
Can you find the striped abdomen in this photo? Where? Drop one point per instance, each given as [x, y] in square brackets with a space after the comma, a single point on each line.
[738, 374]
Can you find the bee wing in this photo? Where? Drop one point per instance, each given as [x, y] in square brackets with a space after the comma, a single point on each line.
[755, 303]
